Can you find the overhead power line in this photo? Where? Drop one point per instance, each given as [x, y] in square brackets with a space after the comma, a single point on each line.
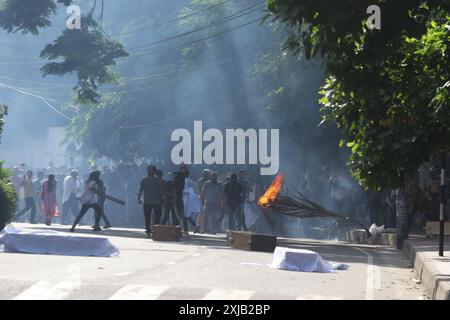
[196, 41]
[198, 66]
[171, 20]
[181, 79]
[46, 84]
[234, 16]
[156, 75]
[45, 100]
[23, 41]
[20, 63]
[161, 121]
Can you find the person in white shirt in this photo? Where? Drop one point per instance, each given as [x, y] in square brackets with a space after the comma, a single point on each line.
[72, 188]
[89, 200]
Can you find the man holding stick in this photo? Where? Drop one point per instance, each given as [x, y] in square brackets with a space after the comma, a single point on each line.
[153, 193]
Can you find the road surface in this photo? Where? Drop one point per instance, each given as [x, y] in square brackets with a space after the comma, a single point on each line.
[202, 267]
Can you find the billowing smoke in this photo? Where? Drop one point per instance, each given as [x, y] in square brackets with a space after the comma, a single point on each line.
[217, 65]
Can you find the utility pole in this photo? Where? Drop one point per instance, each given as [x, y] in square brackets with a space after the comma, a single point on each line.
[443, 203]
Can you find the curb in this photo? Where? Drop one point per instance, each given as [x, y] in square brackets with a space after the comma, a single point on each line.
[359, 236]
[432, 271]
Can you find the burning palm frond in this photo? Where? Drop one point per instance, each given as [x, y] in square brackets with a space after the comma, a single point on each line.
[271, 194]
[296, 205]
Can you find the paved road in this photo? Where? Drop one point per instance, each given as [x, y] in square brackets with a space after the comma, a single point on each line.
[202, 267]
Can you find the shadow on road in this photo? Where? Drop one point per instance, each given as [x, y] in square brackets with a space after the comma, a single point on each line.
[126, 233]
[216, 241]
[336, 252]
[349, 253]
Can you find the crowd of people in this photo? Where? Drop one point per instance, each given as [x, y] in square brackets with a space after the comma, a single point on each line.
[205, 201]
[204, 206]
[344, 195]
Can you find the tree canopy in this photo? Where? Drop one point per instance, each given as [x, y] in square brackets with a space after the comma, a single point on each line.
[88, 52]
[388, 89]
[27, 16]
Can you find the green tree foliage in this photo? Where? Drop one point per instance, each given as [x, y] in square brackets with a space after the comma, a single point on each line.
[388, 89]
[27, 16]
[86, 52]
[8, 197]
[97, 128]
[3, 113]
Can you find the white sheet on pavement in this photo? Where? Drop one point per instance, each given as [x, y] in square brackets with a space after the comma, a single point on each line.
[302, 260]
[54, 243]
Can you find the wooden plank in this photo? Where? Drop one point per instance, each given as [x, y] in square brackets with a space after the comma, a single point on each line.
[111, 198]
[263, 243]
[166, 233]
[239, 240]
[251, 241]
[432, 228]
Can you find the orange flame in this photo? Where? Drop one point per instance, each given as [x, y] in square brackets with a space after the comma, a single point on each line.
[272, 193]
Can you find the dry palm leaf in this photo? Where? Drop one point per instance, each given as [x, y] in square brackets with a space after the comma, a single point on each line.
[276, 200]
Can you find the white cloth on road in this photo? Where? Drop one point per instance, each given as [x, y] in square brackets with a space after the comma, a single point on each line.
[54, 243]
[302, 260]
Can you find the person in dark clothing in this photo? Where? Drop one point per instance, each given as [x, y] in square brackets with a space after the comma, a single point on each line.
[180, 180]
[153, 193]
[200, 183]
[101, 202]
[159, 175]
[90, 200]
[170, 203]
[234, 193]
[212, 201]
[434, 191]
[246, 192]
